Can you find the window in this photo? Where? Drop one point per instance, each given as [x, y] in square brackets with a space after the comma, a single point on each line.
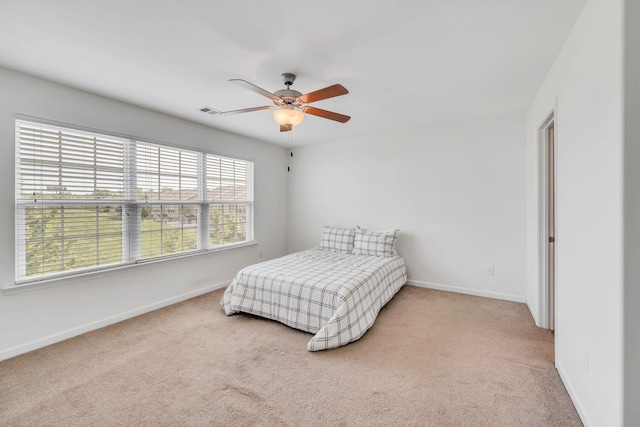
[87, 201]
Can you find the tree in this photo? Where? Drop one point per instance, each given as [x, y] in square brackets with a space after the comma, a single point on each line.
[44, 239]
[145, 195]
[146, 211]
[225, 225]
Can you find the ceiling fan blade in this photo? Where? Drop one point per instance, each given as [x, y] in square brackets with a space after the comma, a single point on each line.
[285, 128]
[245, 84]
[326, 114]
[327, 92]
[246, 110]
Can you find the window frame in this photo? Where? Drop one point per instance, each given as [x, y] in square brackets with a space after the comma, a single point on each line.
[131, 206]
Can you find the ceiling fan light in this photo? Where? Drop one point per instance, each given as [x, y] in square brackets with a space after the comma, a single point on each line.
[287, 115]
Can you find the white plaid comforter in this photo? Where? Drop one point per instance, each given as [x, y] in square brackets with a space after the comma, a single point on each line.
[333, 295]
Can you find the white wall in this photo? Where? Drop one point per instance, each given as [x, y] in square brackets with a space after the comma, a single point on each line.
[36, 318]
[585, 83]
[632, 214]
[456, 192]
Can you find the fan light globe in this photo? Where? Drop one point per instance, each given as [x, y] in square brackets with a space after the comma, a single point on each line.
[287, 115]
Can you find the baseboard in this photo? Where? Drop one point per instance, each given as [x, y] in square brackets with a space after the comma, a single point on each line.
[533, 314]
[467, 291]
[574, 398]
[73, 332]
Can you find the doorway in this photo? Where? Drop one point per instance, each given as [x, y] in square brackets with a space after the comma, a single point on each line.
[548, 228]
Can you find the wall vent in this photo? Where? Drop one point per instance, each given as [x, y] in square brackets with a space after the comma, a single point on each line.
[210, 110]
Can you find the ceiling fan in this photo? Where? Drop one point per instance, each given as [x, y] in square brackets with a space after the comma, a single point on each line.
[290, 105]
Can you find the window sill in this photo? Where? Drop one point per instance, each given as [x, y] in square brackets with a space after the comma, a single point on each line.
[75, 278]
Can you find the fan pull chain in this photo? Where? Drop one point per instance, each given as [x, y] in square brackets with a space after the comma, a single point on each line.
[289, 147]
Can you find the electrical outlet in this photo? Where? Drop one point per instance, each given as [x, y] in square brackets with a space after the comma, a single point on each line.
[490, 270]
[260, 254]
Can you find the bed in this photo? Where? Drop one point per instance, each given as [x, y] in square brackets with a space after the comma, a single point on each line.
[334, 291]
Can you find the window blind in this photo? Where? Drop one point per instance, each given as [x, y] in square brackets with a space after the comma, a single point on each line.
[230, 188]
[167, 191]
[87, 201]
[70, 187]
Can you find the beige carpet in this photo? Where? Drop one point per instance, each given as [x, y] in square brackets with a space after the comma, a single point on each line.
[432, 359]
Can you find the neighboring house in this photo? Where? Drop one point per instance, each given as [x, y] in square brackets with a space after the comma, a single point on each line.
[174, 211]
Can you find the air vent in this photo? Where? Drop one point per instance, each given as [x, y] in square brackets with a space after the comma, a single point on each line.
[210, 110]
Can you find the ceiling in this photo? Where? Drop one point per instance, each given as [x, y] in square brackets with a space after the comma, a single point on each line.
[406, 64]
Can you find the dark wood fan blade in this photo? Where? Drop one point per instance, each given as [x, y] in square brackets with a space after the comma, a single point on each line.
[327, 114]
[285, 128]
[246, 110]
[245, 84]
[327, 92]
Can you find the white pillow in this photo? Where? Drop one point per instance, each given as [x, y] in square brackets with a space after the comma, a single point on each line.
[375, 243]
[337, 239]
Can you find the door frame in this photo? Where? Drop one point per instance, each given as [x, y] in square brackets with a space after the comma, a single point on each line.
[547, 299]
